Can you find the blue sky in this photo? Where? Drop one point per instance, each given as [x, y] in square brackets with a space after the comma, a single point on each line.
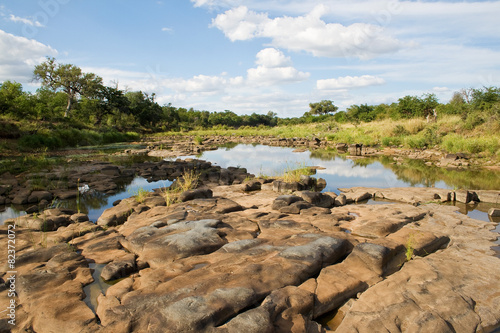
[257, 56]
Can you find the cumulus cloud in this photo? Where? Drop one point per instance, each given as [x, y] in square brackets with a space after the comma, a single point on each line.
[274, 67]
[20, 55]
[203, 83]
[349, 82]
[27, 21]
[272, 58]
[156, 81]
[307, 33]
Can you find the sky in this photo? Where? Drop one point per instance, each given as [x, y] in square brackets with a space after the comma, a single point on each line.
[259, 55]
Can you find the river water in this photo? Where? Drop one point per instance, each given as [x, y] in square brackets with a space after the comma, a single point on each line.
[338, 171]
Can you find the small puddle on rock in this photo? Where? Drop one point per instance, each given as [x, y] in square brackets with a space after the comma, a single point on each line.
[198, 266]
[99, 286]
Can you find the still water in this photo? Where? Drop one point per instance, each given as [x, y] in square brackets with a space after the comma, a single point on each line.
[338, 171]
[94, 203]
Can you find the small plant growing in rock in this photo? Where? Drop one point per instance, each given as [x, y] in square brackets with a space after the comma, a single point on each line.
[141, 195]
[188, 181]
[198, 140]
[410, 247]
[293, 175]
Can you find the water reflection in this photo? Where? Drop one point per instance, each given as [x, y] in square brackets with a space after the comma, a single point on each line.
[340, 171]
[93, 203]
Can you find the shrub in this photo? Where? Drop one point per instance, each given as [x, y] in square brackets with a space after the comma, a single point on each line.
[399, 130]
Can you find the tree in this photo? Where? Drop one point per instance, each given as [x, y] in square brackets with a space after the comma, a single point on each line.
[14, 101]
[484, 98]
[68, 78]
[323, 107]
[144, 107]
[363, 112]
[413, 106]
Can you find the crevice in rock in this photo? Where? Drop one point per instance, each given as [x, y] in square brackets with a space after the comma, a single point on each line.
[332, 320]
[252, 306]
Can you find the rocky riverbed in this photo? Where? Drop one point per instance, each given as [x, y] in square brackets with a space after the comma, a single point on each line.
[189, 145]
[240, 254]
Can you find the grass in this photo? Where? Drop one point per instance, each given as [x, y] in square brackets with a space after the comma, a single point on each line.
[198, 140]
[141, 195]
[410, 247]
[450, 133]
[293, 174]
[188, 181]
[455, 143]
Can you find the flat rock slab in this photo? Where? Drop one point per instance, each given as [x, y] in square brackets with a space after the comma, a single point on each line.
[235, 263]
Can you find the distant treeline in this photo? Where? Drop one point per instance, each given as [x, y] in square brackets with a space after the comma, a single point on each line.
[80, 100]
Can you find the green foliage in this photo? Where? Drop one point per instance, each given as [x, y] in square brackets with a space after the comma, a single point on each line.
[391, 141]
[410, 247]
[399, 130]
[102, 114]
[68, 78]
[293, 174]
[425, 139]
[141, 195]
[13, 101]
[455, 143]
[362, 112]
[413, 106]
[198, 140]
[188, 181]
[323, 107]
[72, 137]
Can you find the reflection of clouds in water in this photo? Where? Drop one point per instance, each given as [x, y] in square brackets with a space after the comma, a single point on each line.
[338, 172]
[257, 159]
[343, 169]
[10, 213]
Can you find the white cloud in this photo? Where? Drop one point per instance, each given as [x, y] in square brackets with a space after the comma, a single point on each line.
[20, 55]
[215, 3]
[349, 82]
[154, 81]
[273, 68]
[165, 29]
[272, 58]
[441, 89]
[33, 23]
[203, 84]
[308, 33]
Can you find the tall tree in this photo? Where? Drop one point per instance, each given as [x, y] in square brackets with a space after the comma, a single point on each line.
[323, 107]
[68, 78]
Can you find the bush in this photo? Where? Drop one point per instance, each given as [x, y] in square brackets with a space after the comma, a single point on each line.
[473, 119]
[39, 141]
[391, 141]
[455, 143]
[415, 141]
[399, 130]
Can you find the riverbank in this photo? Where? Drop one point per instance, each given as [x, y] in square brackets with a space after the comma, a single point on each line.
[448, 135]
[242, 253]
[179, 145]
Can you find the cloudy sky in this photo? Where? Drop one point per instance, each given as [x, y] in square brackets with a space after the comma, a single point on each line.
[260, 55]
